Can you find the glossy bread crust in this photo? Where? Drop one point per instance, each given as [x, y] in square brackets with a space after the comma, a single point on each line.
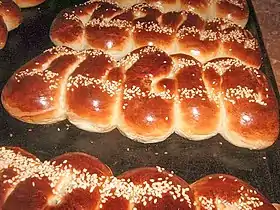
[43, 82]
[3, 33]
[118, 30]
[234, 10]
[147, 95]
[10, 18]
[28, 3]
[81, 181]
[247, 102]
[221, 191]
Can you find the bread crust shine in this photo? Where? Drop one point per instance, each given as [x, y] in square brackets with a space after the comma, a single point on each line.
[147, 95]
[118, 30]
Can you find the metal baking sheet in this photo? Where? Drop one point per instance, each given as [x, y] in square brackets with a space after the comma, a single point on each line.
[190, 160]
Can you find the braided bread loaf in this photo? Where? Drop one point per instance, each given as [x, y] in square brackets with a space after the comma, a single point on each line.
[234, 10]
[118, 31]
[80, 181]
[147, 95]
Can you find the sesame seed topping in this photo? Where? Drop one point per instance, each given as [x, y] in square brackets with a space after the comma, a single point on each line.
[153, 27]
[46, 75]
[81, 179]
[145, 18]
[65, 178]
[105, 85]
[71, 16]
[110, 23]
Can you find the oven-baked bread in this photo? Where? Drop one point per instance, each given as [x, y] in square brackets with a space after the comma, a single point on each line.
[147, 95]
[10, 18]
[118, 31]
[236, 11]
[81, 181]
[28, 3]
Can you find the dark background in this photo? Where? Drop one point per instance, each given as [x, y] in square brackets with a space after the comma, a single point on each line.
[190, 160]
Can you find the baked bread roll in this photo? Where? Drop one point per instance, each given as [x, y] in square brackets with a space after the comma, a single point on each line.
[28, 3]
[47, 76]
[67, 181]
[154, 187]
[118, 31]
[245, 100]
[197, 113]
[96, 85]
[147, 109]
[10, 18]
[78, 180]
[147, 95]
[15, 164]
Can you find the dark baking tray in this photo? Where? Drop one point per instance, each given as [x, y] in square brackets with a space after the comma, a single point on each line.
[190, 160]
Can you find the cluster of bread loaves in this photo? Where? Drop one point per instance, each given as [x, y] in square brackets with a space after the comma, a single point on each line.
[11, 17]
[81, 181]
[118, 31]
[147, 95]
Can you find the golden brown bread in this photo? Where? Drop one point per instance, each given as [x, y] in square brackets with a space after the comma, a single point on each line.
[46, 75]
[118, 31]
[246, 102]
[10, 18]
[3, 33]
[220, 191]
[197, 114]
[234, 10]
[81, 181]
[97, 90]
[58, 184]
[15, 164]
[28, 3]
[147, 109]
[147, 95]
